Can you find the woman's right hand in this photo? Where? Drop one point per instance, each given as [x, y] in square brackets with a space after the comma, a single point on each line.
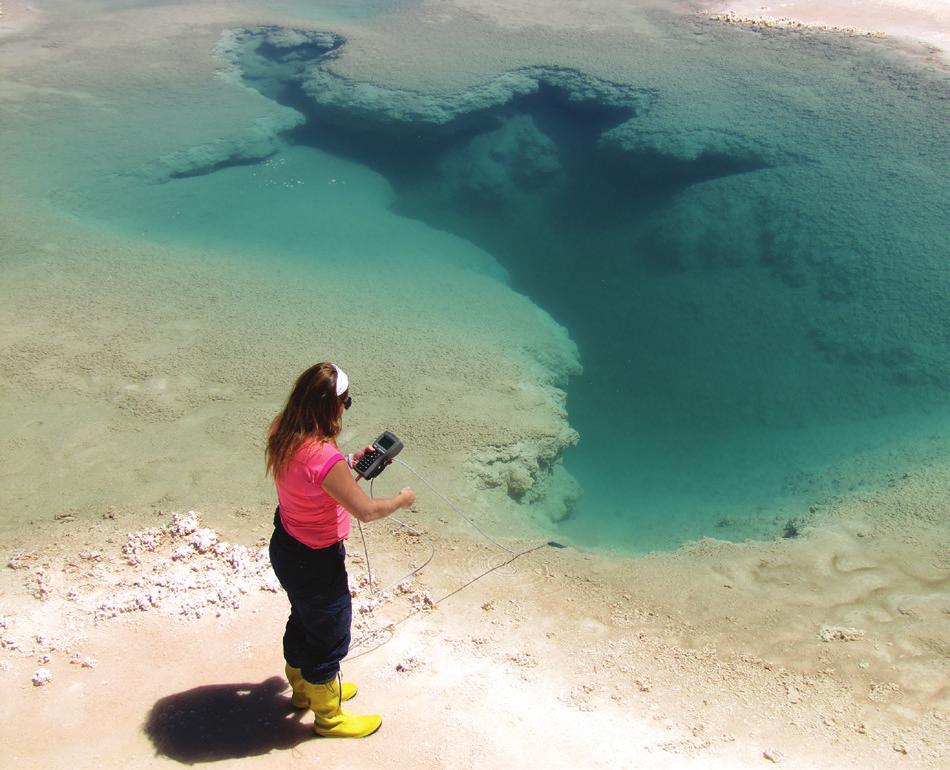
[406, 497]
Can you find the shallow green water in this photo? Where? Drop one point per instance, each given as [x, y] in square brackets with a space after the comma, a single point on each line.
[748, 245]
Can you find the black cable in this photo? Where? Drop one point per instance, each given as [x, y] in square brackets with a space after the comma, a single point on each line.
[452, 593]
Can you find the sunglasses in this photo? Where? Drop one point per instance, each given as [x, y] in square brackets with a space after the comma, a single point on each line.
[347, 400]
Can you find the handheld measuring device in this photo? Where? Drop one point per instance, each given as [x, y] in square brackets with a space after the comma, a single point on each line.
[385, 448]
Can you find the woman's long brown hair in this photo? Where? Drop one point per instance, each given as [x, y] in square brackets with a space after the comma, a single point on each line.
[312, 413]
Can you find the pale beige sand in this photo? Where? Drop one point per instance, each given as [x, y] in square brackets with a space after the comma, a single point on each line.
[927, 21]
[15, 17]
[825, 651]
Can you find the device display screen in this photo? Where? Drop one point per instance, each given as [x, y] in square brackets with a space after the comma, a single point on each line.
[385, 442]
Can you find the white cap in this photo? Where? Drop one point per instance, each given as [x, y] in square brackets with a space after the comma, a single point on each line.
[342, 381]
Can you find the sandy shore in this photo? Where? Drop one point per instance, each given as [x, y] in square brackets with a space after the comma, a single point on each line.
[914, 21]
[17, 17]
[819, 651]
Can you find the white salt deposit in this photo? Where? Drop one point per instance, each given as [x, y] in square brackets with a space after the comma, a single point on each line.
[184, 524]
[78, 659]
[203, 540]
[139, 542]
[367, 606]
[42, 677]
[185, 570]
[422, 600]
[840, 634]
[181, 569]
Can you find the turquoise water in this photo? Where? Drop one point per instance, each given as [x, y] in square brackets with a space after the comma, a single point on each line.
[340, 10]
[747, 242]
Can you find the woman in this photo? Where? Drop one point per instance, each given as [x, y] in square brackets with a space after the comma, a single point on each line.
[317, 493]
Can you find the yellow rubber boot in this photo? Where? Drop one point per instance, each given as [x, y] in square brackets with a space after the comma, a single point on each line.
[299, 698]
[329, 718]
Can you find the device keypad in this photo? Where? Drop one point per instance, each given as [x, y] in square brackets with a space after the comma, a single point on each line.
[367, 460]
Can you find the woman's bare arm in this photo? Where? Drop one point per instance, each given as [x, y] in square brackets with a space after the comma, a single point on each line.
[342, 487]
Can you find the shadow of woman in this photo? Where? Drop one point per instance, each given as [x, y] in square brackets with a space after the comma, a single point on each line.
[226, 721]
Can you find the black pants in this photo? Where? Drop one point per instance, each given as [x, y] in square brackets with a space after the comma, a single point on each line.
[317, 636]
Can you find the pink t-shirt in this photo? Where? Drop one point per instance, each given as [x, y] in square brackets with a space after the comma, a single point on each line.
[307, 512]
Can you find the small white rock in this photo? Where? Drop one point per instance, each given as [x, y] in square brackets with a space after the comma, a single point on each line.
[204, 540]
[42, 677]
[840, 634]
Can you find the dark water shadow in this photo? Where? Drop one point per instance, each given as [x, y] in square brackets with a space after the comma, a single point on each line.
[226, 721]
